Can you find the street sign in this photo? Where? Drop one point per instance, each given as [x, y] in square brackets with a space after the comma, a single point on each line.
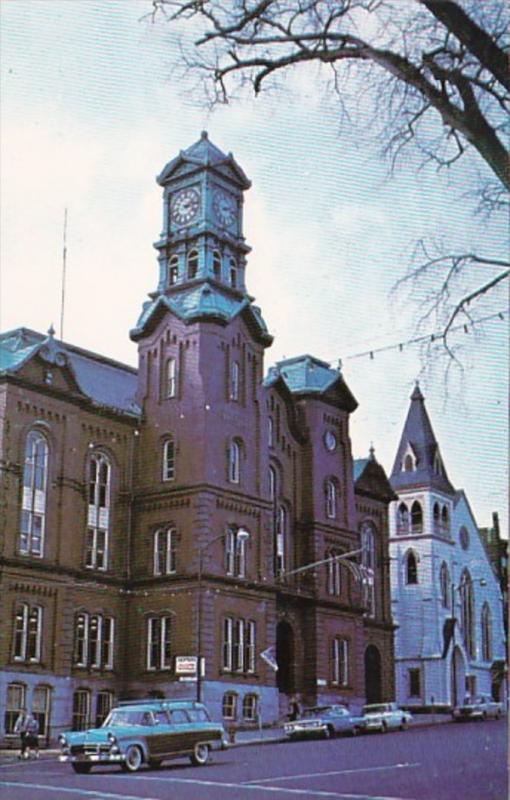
[186, 665]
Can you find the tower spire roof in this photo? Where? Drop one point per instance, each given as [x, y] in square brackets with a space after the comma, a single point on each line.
[418, 461]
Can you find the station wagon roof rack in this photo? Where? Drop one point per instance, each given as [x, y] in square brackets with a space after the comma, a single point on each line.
[158, 701]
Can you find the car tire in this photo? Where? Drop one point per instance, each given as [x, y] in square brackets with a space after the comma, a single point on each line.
[82, 769]
[404, 725]
[134, 759]
[355, 731]
[328, 732]
[200, 754]
[155, 763]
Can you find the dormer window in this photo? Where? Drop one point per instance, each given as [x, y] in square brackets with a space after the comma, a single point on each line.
[173, 270]
[192, 264]
[216, 260]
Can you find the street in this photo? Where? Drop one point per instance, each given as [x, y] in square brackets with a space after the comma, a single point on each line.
[442, 762]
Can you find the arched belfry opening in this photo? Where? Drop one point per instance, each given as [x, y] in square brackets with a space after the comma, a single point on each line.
[373, 675]
[285, 657]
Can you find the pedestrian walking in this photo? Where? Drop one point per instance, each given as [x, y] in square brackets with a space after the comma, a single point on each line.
[32, 738]
[294, 708]
[21, 728]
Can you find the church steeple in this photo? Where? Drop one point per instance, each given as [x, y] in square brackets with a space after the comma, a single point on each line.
[418, 462]
[202, 237]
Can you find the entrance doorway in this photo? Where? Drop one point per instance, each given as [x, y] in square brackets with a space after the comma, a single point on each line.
[458, 677]
[373, 674]
[285, 658]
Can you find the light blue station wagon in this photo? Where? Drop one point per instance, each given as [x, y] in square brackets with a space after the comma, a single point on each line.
[144, 732]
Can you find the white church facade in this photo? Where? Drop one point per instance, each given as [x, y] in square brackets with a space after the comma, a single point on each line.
[446, 599]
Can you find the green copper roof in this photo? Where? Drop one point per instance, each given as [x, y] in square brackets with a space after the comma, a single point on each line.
[203, 153]
[307, 374]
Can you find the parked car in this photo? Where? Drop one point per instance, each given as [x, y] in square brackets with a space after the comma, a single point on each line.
[144, 732]
[324, 721]
[480, 707]
[385, 717]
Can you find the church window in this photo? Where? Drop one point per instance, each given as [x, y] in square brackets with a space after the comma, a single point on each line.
[436, 513]
[340, 661]
[81, 710]
[159, 642]
[414, 682]
[402, 520]
[192, 264]
[27, 633]
[234, 380]
[411, 568]
[98, 520]
[234, 461]
[270, 431]
[416, 517]
[173, 270]
[464, 537]
[169, 460]
[216, 257]
[331, 498]
[233, 272]
[445, 519]
[33, 505]
[467, 605]
[164, 554]
[170, 378]
[408, 463]
[368, 563]
[486, 633]
[444, 585]
[333, 573]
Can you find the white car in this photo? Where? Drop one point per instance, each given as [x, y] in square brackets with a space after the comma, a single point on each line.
[480, 707]
[385, 717]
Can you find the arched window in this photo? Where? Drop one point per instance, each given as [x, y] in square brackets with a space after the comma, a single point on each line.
[173, 270]
[467, 605]
[235, 552]
[170, 378]
[368, 540]
[234, 380]
[445, 519]
[411, 568]
[233, 272]
[416, 517]
[192, 264]
[436, 514]
[281, 540]
[272, 483]
[402, 520]
[216, 260]
[408, 463]
[33, 505]
[444, 585]
[234, 461]
[270, 431]
[96, 551]
[169, 460]
[164, 551]
[486, 633]
[331, 498]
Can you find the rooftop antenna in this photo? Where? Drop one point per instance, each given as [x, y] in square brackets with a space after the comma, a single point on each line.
[64, 259]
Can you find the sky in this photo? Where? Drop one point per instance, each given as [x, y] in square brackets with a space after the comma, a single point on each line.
[93, 108]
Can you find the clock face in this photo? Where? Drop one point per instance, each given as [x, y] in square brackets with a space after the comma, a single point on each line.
[224, 207]
[184, 206]
[330, 441]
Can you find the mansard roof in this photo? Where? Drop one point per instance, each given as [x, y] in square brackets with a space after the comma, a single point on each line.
[205, 300]
[204, 153]
[370, 479]
[105, 382]
[418, 436]
[307, 375]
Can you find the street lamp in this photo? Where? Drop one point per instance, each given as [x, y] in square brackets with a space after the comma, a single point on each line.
[240, 538]
[355, 568]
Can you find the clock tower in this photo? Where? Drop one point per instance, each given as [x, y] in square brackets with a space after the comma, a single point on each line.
[202, 237]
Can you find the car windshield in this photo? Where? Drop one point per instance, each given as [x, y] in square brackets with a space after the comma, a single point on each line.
[316, 712]
[120, 717]
[198, 715]
[374, 709]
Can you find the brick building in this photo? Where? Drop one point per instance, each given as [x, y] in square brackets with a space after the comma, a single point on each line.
[158, 518]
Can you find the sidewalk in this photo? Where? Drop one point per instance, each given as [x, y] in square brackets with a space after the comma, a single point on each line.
[254, 736]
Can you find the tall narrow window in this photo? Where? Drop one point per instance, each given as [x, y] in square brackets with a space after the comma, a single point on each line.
[96, 554]
[249, 647]
[444, 584]
[402, 520]
[250, 707]
[238, 646]
[331, 498]
[445, 519]
[27, 633]
[81, 710]
[270, 432]
[235, 552]
[340, 662]
[227, 643]
[234, 462]
[164, 553]
[414, 682]
[15, 701]
[169, 460]
[408, 463]
[41, 708]
[368, 540]
[33, 506]
[281, 540]
[467, 605]
[192, 264]
[416, 517]
[216, 258]
[486, 633]
[234, 380]
[229, 705]
[411, 568]
[334, 578]
[159, 643]
[173, 270]
[233, 273]
[94, 639]
[170, 378]
[272, 483]
[104, 704]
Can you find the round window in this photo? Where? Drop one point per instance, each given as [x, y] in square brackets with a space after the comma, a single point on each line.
[330, 441]
[464, 537]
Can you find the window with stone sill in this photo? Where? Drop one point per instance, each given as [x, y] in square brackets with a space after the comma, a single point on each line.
[234, 461]
[170, 382]
[216, 264]
[15, 701]
[164, 551]
[169, 459]
[41, 705]
[173, 270]
[250, 707]
[94, 638]
[159, 654]
[414, 677]
[234, 381]
[235, 552]
[98, 516]
[340, 661]
[411, 566]
[104, 704]
[33, 504]
[229, 706]
[238, 645]
[28, 622]
[192, 262]
[81, 710]
[331, 493]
